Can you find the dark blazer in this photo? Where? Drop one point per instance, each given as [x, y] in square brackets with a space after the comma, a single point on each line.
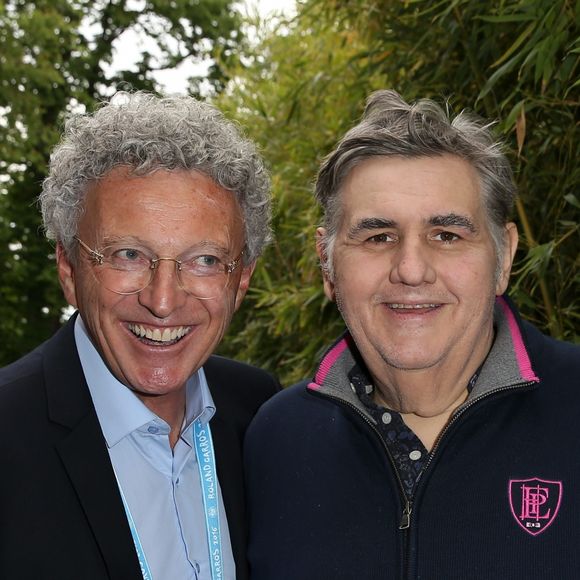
[61, 515]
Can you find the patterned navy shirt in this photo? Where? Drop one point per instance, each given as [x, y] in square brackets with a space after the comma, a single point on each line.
[407, 451]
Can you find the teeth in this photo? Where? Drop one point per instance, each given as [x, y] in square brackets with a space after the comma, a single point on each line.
[165, 335]
[411, 306]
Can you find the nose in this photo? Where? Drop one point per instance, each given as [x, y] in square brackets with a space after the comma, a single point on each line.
[412, 264]
[164, 294]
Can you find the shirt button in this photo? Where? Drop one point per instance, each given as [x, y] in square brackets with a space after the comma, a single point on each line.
[414, 455]
[197, 567]
[152, 429]
[386, 418]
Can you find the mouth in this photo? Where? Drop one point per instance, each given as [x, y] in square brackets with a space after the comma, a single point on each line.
[412, 307]
[158, 336]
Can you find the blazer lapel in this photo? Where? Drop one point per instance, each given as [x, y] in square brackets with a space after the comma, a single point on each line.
[85, 458]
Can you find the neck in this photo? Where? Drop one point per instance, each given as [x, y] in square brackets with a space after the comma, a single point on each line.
[425, 414]
[428, 426]
[169, 407]
[426, 398]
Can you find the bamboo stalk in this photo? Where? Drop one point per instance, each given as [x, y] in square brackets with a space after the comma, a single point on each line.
[532, 243]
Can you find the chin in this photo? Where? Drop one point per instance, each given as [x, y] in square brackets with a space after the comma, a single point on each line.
[156, 384]
[410, 362]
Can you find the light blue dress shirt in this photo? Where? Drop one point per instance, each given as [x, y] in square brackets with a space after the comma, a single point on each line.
[161, 486]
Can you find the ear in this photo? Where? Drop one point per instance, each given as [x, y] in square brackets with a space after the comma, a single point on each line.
[244, 284]
[66, 275]
[509, 252]
[321, 237]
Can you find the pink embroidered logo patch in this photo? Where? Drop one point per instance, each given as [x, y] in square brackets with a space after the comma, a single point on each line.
[535, 503]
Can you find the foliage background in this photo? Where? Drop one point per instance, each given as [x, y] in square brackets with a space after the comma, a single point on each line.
[296, 91]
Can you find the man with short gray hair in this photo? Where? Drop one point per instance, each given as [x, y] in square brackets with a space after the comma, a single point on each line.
[121, 435]
[437, 438]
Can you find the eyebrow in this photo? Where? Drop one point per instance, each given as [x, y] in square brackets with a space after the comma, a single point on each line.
[370, 224]
[443, 220]
[453, 219]
[201, 245]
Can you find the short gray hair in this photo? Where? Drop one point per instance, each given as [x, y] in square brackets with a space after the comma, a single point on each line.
[147, 132]
[392, 127]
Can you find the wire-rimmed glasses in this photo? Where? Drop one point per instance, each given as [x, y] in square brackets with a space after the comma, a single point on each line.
[129, 268]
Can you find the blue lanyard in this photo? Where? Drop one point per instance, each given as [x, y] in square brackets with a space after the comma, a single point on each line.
[208, 477]
[145, 571]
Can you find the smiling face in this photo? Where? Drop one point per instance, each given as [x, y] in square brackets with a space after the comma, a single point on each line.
[414, 265]
[154, 340]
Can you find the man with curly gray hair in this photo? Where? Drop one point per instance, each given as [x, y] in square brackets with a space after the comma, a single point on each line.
[437, 439]
[130, 463]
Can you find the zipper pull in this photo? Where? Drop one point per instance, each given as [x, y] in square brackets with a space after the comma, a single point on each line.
[406, 518]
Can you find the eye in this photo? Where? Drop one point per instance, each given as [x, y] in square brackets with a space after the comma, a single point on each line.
[382, 238]
[203, 265]
[208, 261]
[127, 258]
[128, 254]
[446, 237]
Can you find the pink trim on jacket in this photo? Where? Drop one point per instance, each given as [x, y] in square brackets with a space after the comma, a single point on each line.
[518, 342]
[327, 363]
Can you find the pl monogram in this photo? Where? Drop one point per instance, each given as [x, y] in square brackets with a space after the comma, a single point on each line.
[535, 503]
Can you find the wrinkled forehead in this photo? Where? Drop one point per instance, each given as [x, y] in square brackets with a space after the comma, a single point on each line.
[403, 189]
[164, 208]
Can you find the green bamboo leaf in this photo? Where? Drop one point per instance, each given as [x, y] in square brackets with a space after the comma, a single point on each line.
[519, 40]
[572, 200]
[504, 18]
[500, 72]
[542, 59]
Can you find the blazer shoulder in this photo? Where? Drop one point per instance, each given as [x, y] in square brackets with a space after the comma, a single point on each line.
[57, 352]
[21, 385]
[24, 368]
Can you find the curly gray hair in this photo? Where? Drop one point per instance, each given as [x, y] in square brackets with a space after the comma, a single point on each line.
[146, 132]
[392, 127]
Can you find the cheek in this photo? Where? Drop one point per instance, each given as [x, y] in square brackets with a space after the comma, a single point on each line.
[221, 311]
[352, 297]
[88, 301]
[470, 279]
[360, 286]
[100, 307]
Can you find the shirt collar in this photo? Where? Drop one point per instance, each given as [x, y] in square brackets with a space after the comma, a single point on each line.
[119, 410]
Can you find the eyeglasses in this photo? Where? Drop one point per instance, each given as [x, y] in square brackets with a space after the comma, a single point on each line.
[130, 269]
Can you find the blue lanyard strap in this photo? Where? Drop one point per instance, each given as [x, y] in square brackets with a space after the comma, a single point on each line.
[208, 478]
[145, 571]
